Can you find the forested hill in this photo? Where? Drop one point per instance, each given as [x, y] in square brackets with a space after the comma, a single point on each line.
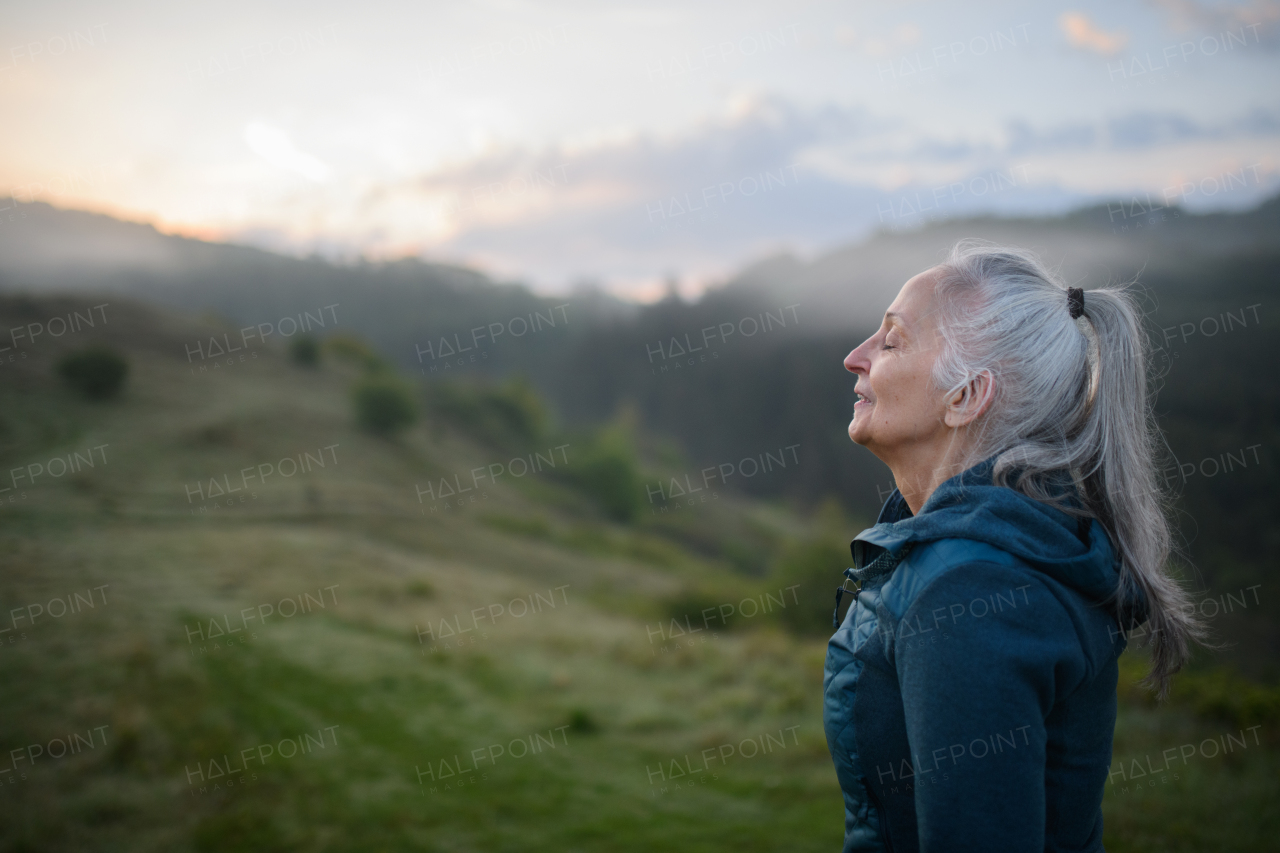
[756, 365]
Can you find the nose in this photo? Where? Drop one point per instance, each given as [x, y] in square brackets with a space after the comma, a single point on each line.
[856, 361]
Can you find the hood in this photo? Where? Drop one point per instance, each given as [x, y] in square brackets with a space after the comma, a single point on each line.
[1075, 552]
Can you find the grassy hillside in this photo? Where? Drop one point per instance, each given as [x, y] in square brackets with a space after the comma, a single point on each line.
[286, 667]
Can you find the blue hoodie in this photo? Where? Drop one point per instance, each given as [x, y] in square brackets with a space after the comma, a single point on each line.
[970, 692]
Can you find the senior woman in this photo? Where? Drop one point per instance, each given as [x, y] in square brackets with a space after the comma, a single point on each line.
[970, 690]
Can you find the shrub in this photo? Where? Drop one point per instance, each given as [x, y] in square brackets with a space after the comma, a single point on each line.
[581, 721]
[1221, 694]
[519, 408]
[384, 404]
[305, 350]
[700, 607]
[420, 589]
[606, 469]
[97, 372]
[510, 415]
[815, 567]
[351, 349]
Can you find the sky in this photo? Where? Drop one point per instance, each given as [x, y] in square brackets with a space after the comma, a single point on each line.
[627, 144]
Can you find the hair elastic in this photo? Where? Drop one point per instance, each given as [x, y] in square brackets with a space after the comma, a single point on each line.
[1075, 301]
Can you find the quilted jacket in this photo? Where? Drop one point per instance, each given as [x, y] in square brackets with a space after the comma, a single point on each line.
[970, 690]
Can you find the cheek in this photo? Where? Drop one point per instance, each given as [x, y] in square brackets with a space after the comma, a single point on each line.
[904, 395]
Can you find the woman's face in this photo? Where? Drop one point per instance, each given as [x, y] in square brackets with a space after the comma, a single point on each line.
[899, 410]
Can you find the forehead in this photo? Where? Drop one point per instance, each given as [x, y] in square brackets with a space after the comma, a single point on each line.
[915, 300]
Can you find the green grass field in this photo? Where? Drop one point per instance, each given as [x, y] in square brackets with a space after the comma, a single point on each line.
[332, 718]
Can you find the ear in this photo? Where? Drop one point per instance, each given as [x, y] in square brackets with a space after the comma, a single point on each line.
[970, 401]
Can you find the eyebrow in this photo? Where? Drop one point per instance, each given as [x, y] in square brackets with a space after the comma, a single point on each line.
[899, 325]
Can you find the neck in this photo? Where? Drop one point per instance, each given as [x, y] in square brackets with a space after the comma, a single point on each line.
[919, 474]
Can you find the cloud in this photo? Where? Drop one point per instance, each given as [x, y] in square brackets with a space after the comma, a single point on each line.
[1086, 35]
[1137, 130]
[881, 44]
[275, 146]
[766, 176]
[1258, 18]
[734, 186]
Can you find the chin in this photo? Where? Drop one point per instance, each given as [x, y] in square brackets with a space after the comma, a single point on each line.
[854, 432]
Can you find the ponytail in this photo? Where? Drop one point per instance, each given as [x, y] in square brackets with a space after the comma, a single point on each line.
[1122, 488]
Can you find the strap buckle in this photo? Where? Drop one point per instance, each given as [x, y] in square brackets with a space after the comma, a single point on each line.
[840, 591]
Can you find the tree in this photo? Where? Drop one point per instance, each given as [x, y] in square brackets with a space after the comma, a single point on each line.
[305, 350]
[607, 470]
[384, 404]
[96, 372]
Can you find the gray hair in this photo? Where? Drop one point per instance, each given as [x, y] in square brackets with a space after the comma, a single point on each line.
[1070, 395]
